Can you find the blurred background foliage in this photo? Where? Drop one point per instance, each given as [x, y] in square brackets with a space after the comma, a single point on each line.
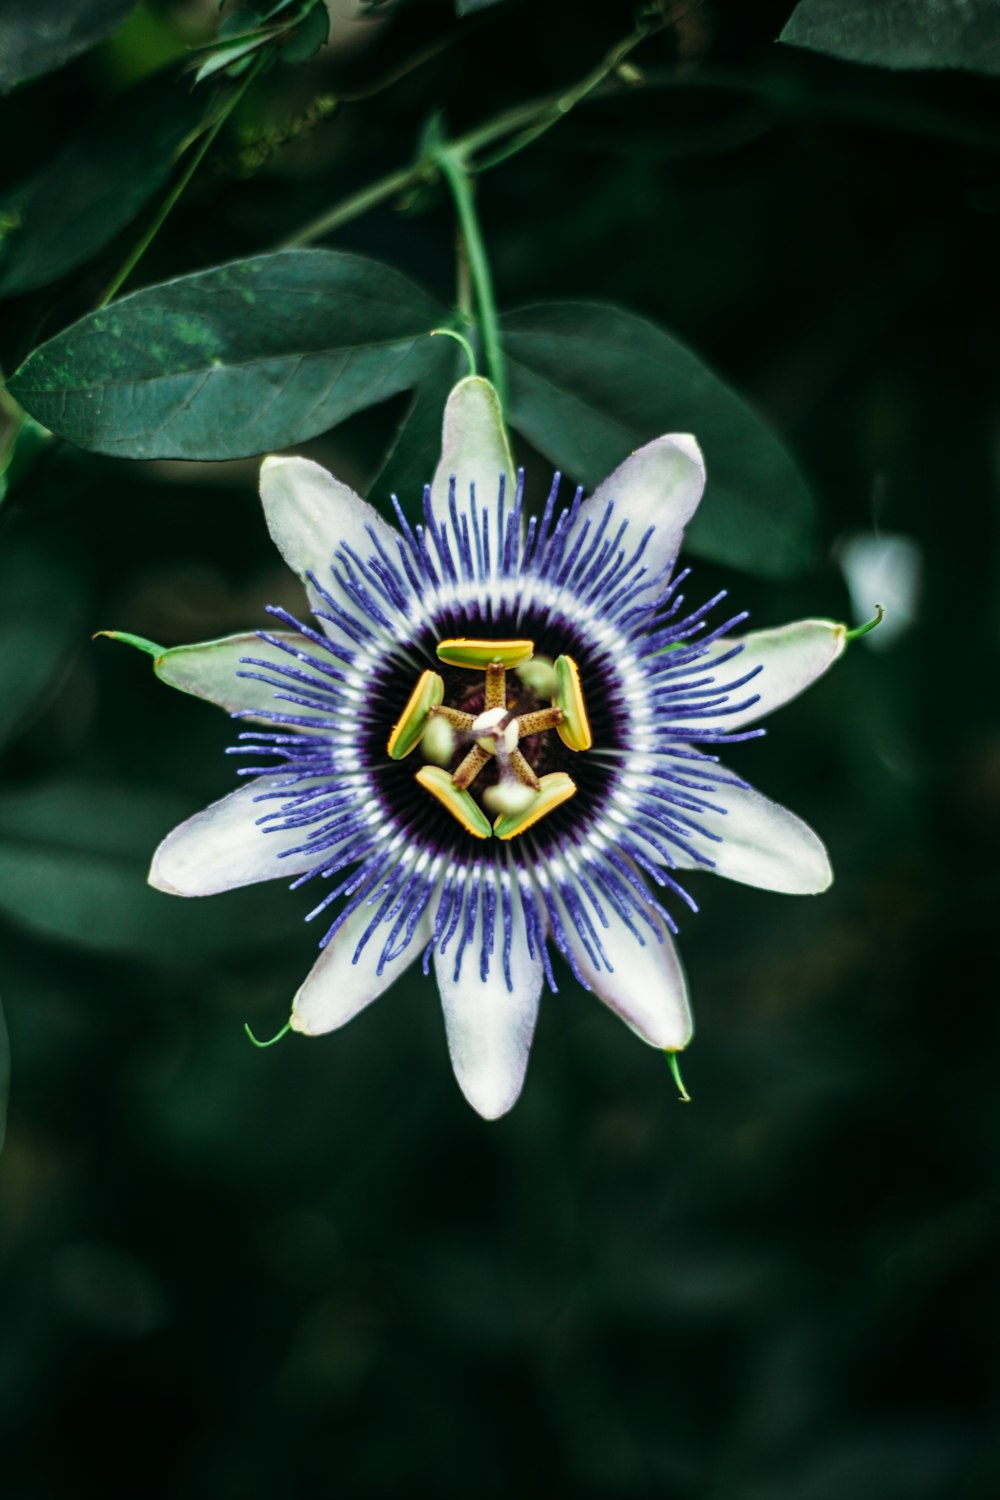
[236, 1273]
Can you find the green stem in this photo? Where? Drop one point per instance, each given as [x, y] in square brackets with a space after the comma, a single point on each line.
[194, 162]
[455, 173]
[542, 120]
[463, 281]
[525, 123]
[357, 204]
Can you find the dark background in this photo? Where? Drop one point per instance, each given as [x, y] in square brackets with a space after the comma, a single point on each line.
[314, 1269]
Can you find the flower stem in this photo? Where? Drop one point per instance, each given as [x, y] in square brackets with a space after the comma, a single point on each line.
[456, 174]
[193, 163]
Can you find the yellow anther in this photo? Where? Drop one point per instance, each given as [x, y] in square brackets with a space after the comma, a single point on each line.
[438, 782]
[574, 730]
[407, 734]
[554, 789]
[478, 655]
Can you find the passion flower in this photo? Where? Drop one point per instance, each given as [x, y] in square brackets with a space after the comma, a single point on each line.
[497, 736]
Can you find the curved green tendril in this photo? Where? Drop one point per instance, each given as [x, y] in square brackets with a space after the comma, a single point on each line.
[675, 1068]
[860, 630]
[460, 338]
[276, 1038]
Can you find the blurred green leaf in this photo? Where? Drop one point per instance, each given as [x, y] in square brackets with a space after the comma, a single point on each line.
[311, 34]
[249, 357]
[590, 383]
[67, 212]
[245, 31]
[415, 450]
[42, 622]
[74, 856]
[901, 33]
[225, 57]
[4, 1076]
[23, 448]
[37, 36]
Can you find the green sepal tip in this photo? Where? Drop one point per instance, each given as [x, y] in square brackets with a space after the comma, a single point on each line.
[270, 1043]
[138, 641]
[860, 630]
[470, 353]
[675, 1068]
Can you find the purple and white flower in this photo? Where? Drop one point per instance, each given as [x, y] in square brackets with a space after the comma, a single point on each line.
[499, 736]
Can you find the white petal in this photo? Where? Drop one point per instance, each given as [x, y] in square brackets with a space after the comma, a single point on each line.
[489, 1026]
[643, 982]
[474, 448]
[337, 987]
[210, 669]
[660, 486]
[763, 844]
[310, 515]
[223, 847]
[791, 656]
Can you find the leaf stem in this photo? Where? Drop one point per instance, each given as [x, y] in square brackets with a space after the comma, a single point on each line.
[525, 124]
[456, 174]
[540, 120]
[193, 163]
[358, 203]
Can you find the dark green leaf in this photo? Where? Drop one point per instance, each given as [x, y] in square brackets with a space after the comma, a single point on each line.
[42, 622]
[246, 21]
[901, 33]
[590, 383]
[411, 460]
[37, 36]
[69, 210]
[310, 36]
[74, 856]
[239, 360]
[27, 443]
[468, 7]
